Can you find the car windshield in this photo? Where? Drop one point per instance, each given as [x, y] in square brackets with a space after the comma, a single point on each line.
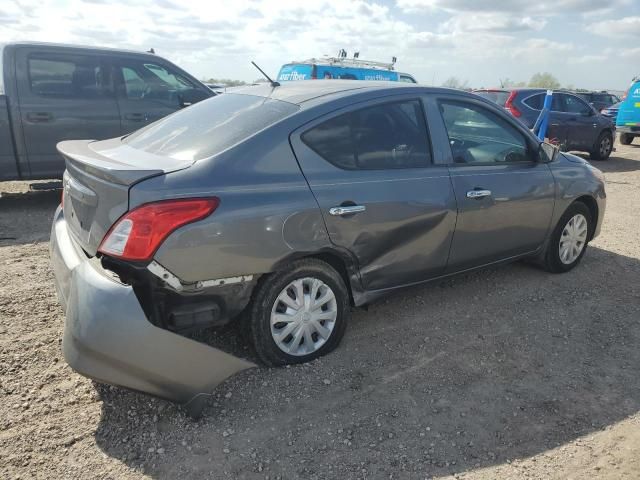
[495, 96]
[209, 127]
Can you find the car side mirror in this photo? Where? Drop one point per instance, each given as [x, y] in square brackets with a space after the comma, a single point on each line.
[547, 152]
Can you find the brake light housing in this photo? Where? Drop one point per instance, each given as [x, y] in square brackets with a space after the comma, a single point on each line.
[510, 106]
[138, 234]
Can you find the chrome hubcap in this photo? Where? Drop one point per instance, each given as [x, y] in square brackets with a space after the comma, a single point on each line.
[303, 316]
[573, 239]
[605, 146]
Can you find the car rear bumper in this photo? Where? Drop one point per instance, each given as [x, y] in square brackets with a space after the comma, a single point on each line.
[107, 336]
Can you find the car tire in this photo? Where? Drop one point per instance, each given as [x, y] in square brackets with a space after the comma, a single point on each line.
[603, 147]
[626, 138]
[566, 235]
[311, 329]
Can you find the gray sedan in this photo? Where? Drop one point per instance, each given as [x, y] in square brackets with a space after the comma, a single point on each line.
[283, 207]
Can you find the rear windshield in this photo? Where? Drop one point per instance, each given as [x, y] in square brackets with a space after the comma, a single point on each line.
[496, 97]
[209, 127]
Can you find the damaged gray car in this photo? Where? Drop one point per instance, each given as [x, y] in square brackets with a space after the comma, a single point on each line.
[281, 207]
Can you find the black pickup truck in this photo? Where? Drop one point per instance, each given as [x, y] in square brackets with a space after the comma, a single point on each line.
[50, 93]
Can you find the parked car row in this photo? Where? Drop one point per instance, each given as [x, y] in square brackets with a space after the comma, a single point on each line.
[573, 123]
[50, 93]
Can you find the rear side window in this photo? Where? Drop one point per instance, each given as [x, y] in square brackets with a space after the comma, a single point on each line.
[210, 126]
[496, 97]
[66, 76]
[537, 101]
[388, 136]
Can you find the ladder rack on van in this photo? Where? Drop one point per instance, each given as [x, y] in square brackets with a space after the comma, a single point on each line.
[350, 62]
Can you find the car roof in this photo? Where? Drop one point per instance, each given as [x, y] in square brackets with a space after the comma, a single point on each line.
[77, 47]
[302, 91]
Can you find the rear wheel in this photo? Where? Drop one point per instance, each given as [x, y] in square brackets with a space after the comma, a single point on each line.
[568, 242]
[626, 138]
[603, 147]
[299, 314]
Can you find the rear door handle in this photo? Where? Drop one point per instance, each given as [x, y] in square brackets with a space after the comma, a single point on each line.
[39, 117]
[347, 210]
[477, 194]
[136, 117]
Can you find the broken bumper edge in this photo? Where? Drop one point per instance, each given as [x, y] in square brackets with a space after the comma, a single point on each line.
[108, 338]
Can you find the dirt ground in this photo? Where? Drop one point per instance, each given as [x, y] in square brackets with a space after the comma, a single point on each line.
[506, 373]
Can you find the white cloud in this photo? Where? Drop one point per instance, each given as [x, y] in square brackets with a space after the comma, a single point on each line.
[479, 40]
[544, 7]
[627, 27]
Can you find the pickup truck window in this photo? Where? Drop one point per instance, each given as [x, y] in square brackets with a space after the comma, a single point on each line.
[147, 80]
[66, 76]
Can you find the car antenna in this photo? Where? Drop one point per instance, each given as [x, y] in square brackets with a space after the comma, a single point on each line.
[272, 82]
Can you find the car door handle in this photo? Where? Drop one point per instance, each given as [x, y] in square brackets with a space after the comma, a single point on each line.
[347, 210]
[477, 194]
[136, 117]
[39, 117]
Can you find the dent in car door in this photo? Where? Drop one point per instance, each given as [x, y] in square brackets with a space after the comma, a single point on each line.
[381, 197]
[505, 198]
[62, 96]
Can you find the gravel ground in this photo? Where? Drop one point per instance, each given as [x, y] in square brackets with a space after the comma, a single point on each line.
[506, 373]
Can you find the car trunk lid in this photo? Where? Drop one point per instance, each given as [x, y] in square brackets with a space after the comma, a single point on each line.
[97, 182]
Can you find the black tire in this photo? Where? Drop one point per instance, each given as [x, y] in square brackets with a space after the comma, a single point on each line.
[603, 146]
[552, 262]
[265, 296]
[626, 138]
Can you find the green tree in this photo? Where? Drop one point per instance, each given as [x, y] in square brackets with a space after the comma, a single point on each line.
[225, 81]
[508, 83]
[544, 80]
[454, 82]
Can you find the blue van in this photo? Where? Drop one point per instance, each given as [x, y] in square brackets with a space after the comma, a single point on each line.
[628, 120]
[341, 68]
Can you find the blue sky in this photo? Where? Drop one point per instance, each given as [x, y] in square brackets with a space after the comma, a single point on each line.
[584, 43]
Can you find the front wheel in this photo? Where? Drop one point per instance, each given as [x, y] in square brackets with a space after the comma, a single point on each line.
[569, 239]
[299, 314]
[603, 147]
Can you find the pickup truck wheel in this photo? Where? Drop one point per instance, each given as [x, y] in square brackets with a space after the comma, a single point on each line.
[569, 239]
[603, 147]
[626, 138]
[299, 314]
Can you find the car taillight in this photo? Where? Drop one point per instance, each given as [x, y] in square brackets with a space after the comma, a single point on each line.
[510, 106]
[139, 233]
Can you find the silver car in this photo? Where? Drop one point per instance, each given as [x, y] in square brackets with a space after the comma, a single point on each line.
[281, 208]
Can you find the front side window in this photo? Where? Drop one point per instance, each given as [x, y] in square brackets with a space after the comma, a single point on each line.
[68, 76]
[479, 136]
[147, 80]
[388, 136]
[573, 104]
[407, 79]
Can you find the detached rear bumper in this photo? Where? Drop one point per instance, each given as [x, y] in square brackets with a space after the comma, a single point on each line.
[107, 336]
